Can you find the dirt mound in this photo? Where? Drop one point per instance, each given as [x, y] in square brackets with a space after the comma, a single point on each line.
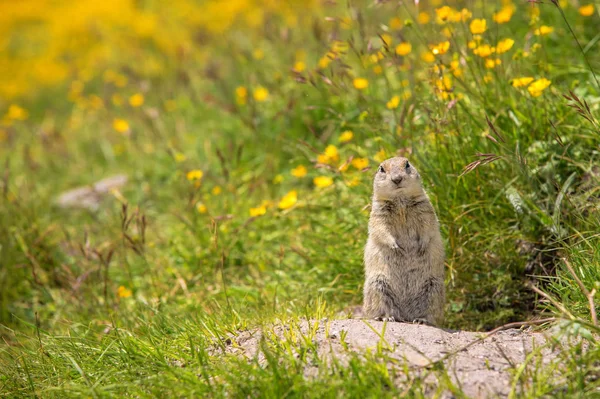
[480, 365]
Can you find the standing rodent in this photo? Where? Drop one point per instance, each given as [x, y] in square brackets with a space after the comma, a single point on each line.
[404, 255]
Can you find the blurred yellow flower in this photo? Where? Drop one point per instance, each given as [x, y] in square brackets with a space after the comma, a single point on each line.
[289, 200]
[179, 157]
[136, 100]
[543, 30]
[403, 48]
[491, 63]
[278, 179]
[346, 136]
[428, 57]
[386, 39]
[587, 10]
[241, 94]
[120, 80]
[536, 88]
[216, 190]
[443, 13]
[521, 82]
[299, 66]
[120, 125]
[423, 18]
[505, 14]
[195, 174]
[258, 54]
[123, 292]
[258, 211]
[393, 103]
[323, 181]
[478, 26]
[504, 45]
[440, 48]
[485, 50]
[353, 182]
[360, 163]
[16, 113]
[360, 83]
[299, 171]
[330, 156]
[325, 61]
[260, 94]
[395, 23]
[201, 208]
[380, 156]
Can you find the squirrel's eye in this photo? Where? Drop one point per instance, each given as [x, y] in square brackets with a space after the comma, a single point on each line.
[381, 170]
[407, 166]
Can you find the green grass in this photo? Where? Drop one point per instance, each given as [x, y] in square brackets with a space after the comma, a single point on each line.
[196, 278]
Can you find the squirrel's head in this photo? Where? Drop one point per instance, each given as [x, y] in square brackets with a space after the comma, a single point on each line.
[396, 177]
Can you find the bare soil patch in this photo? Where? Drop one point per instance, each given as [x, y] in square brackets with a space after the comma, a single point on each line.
[480, 367]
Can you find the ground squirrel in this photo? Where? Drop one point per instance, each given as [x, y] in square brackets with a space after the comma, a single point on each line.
[404, 255]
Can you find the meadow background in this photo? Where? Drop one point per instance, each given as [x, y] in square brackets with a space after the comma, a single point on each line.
[249, 131]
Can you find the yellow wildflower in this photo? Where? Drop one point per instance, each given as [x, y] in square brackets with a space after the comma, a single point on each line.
[521, 82]
[536, 88]
[440, 48]
[380, 156]
[16, 113]
[403, 48]
[241, 94]
[504, 45]
[299, 171]
[360, 163]
[260, 94]
[258, 211]
[201, 208]
[288, 200]
[386, 38]
[504, 15]
[491, 63]
[360, 83]
[299, 66]
[195, 174]
[442, 14]
[423, 18]
[136, 100]
[427, 56]
[258, 54]
[393, 103]
[478, 26]
[587, 10]
[340, 47]
[216, 190]
[543, 30]
[123, 292]
[465, 15]
[323, 181]
[484, 50]
[346, 136]
[353, 182]
[120, 125]
[278, 179]
[395, 23]
[324, 62]
[179, 157]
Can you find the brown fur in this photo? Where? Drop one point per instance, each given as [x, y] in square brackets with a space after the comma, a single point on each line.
[404, 255]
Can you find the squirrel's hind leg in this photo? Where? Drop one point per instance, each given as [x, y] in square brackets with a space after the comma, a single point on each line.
[380, 302]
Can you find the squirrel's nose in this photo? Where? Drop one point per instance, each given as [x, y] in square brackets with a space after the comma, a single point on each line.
[397, 179]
